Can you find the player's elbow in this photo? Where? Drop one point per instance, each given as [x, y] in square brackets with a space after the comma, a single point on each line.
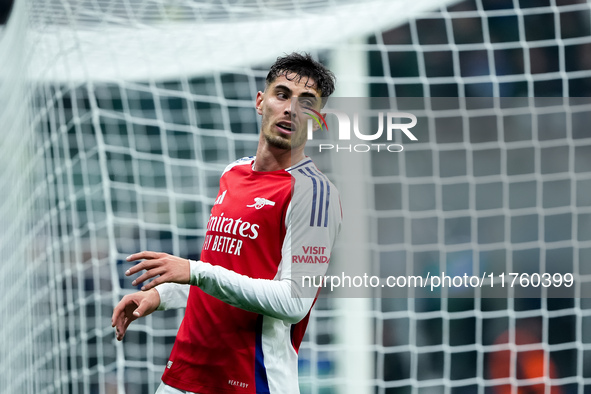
[299, 309]
[295, 318]
[295, 305]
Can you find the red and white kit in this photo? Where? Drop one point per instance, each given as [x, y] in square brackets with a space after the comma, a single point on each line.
[246, 308]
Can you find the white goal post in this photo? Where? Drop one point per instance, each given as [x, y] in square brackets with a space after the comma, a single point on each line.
[118, 117]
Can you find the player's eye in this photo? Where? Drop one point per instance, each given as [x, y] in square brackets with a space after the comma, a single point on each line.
[307, 103]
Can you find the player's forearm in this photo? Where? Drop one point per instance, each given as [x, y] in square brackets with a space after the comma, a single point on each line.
[172, 295]
[268, 297]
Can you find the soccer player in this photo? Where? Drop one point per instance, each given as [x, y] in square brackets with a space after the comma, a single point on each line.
[274, 221]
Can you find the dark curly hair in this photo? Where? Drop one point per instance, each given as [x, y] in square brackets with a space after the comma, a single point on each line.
[303, 66]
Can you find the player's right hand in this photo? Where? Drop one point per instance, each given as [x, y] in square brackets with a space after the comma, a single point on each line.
[131, 307]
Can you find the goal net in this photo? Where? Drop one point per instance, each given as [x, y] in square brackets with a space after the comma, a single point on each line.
[119, 116]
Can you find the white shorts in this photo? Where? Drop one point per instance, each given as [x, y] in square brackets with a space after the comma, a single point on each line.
[166, 389]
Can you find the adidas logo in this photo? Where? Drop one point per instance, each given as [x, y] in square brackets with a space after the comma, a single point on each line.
[220, 198]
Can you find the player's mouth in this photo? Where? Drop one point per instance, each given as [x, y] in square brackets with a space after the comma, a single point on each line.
[284, 127]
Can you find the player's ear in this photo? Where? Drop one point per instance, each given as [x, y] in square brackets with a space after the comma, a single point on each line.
[259, 102]
[315, 126]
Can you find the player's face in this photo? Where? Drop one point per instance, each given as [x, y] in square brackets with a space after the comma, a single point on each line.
[283, 124]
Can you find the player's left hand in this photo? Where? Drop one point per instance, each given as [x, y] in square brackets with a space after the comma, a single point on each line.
[163, 267]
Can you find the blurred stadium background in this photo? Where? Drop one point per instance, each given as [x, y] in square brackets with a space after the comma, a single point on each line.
[118, 117]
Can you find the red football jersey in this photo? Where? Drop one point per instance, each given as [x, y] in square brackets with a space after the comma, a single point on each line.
[244, 321]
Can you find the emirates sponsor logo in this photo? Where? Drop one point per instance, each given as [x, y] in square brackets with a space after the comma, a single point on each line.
[234, 230]
[233, 226]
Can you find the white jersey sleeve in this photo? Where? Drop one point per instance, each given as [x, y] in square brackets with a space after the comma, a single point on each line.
[313, 221]
[172, 296]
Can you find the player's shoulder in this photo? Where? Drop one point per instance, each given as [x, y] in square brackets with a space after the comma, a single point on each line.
[315, 199]
[240, 162]
[309, 179]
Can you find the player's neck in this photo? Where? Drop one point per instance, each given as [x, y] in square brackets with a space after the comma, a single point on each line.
[270, 158]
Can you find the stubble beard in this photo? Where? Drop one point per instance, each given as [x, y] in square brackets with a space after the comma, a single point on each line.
[280, 142]
[277, 141]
